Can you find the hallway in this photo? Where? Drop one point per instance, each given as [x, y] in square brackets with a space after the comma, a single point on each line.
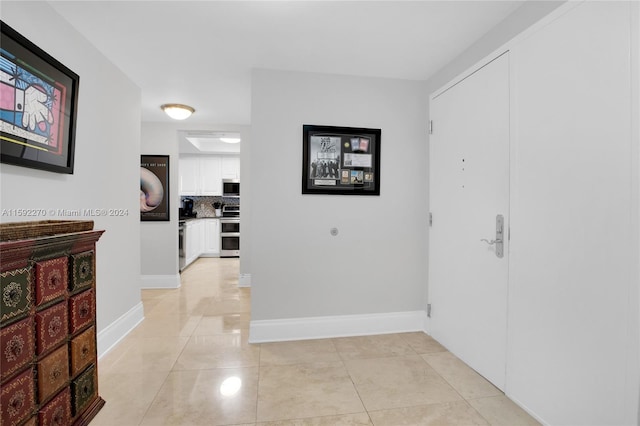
[189, 363]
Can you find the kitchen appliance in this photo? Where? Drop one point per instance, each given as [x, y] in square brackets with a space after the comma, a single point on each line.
[231, 210]
[230, 231]
[230, 188]
[187, 208]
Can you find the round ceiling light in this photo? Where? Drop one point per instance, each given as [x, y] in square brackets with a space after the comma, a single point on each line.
[230, 140]
[178, 111]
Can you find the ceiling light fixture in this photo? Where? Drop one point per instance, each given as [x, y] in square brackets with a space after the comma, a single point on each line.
[230, 140]
[177, 111]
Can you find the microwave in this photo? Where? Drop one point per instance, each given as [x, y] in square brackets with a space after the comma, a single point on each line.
[230, 188]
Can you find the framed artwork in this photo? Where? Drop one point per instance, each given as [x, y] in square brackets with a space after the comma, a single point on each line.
[38, 103]
[154, 188]
[340, 160]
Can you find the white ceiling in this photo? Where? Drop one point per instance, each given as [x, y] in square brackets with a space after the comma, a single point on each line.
[201, 52]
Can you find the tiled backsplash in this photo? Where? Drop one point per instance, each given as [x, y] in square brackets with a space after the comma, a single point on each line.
[204, 205]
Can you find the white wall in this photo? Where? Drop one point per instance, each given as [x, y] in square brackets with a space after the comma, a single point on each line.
[523, 17]
[633, 389]
[106, 160]
[159, 240]
[573, 305]
[377, 263]
[573, 313]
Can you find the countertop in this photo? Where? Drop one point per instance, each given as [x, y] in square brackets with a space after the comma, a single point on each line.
[189, 219]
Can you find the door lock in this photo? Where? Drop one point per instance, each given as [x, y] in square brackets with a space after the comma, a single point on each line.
[492, 242]
[499, 241]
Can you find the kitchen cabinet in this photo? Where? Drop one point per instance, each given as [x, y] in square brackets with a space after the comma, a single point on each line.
[189, 168]
[230, 167]
[194, 230]
[211, 237]
[210, 175]
[202, 175]
[202, 238]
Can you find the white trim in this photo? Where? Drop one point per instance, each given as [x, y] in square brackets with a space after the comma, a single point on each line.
[244, 280]
[160, 281]
[426, 323]
[280, 330]
[633, 370]
[117, 330]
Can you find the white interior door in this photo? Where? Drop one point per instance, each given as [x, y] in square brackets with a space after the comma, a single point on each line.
[469, 188]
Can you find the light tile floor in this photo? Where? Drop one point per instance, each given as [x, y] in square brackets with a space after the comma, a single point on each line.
[189, 363]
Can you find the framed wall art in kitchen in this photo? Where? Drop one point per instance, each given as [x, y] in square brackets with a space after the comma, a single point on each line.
[154, 188]
[38, 103]
[340, 160]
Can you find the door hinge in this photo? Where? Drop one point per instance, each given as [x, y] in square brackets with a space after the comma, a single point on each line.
[430, 127]
[428, 310]
[430, 219]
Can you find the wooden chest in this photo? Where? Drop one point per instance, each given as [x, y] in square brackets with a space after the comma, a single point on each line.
[48, 358]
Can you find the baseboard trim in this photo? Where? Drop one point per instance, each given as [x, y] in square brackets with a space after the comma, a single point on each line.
[426, 323]
[244, 280]
[117, 330]
[262, 331]
[160, 281]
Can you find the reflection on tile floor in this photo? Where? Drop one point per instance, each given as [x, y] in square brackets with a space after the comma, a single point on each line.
[189, 363]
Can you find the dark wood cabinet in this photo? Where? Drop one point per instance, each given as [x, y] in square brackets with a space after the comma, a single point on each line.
[48, 350]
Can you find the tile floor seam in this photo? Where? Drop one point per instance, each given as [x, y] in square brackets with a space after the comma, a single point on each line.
[353, 383]
[165, 379]
[442, 403]
[258, 381]
[153, 400]
[335, 348]
[466, 401]
[293, 419]
[479, 413]
[180, 353]
[404, 339]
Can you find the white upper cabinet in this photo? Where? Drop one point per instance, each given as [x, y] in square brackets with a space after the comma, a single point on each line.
[210, 178]
[230, 167]
[189, 175]
[203, 174]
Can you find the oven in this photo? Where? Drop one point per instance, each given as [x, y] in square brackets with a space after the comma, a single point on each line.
[230, 231]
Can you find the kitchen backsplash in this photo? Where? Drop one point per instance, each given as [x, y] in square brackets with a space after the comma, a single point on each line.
[204, 205]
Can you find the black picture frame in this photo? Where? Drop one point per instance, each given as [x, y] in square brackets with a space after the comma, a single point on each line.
[340, 160]
[38, 108]
[154, 188]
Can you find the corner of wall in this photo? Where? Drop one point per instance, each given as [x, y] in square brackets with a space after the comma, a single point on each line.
[112, 334]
